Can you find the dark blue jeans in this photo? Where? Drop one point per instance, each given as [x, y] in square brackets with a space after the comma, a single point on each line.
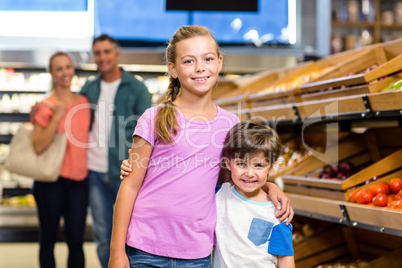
[65, 198]
[102, 196]
[142, 259]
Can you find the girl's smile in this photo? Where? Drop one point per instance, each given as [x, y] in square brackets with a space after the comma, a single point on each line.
[201, 80]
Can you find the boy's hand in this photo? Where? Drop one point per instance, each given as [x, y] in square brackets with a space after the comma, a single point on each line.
[125, 168]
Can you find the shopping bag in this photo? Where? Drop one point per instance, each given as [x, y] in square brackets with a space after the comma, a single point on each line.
[23, 160]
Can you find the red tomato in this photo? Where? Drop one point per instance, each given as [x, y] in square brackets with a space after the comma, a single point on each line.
[391, 198]
[364, 196]
[378, 188]
[396, 204]
[386, 185]
[398, 196]
[353, 195]
[380, 200]
[395, 185]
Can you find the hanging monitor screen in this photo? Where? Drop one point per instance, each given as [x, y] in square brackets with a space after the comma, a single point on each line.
[213, 5]
[145, 23]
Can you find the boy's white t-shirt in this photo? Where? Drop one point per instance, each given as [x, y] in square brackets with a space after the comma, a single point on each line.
[99, 134]
[247, 233]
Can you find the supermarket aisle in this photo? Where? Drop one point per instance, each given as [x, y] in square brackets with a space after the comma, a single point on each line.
[25, 255]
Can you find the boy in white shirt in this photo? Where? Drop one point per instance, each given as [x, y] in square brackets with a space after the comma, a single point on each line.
[247, 232]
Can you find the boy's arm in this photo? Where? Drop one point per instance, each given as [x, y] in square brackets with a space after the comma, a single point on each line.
[286, 262]
[281, 202]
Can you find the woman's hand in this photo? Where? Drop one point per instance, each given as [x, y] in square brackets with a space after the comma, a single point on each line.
[281, 203]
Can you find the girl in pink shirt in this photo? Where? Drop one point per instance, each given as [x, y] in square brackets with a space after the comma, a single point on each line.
[165, 212]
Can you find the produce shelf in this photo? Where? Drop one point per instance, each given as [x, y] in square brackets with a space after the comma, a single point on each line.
[357, 107]
[388, 58]
[359, 216]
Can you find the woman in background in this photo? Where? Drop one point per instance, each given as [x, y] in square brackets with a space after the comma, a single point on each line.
[63, 112]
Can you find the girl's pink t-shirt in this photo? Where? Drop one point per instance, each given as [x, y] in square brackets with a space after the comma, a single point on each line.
[174, 214]
[75, 123]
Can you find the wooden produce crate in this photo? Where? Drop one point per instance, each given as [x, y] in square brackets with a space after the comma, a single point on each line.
[390, 100]
[386, 178]
[373, 87]
[223, 87]
[287, 78]
[338, 189]
[375, 244]
[327, 107]
[356, 104]
[328, 67]
[381, 217]
[387, 56]
[320, 248]
[389, 259]
[273, 113]
[316, 205]
[349, 146]
[263, 79]
[285, 90]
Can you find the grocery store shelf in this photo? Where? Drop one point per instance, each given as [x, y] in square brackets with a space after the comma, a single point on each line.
[355, 215]
[360, 24]
[21, 90]
[14, 117]
[374, 107]
[5, 139]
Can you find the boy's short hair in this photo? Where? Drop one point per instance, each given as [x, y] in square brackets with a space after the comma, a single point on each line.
[249, 137]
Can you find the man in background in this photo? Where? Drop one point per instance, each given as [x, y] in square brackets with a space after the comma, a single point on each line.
[118, 100]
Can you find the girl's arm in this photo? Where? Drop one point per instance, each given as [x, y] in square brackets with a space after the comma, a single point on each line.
[281, 202]
[129, 188]
[275, 194]
[43, 136]
[286, 262]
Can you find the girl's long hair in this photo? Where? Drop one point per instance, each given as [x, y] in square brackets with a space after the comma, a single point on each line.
[166, 123]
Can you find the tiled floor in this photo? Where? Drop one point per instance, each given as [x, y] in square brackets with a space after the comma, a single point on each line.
[25, 255]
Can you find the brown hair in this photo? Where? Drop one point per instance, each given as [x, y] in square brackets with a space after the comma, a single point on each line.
[166, 124]
[105, 37]
[251, 137]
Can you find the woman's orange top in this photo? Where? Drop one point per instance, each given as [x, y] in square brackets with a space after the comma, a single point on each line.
[75, 123]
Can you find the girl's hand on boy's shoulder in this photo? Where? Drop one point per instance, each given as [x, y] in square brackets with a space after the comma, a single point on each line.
[281, 203]
[285, 212]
